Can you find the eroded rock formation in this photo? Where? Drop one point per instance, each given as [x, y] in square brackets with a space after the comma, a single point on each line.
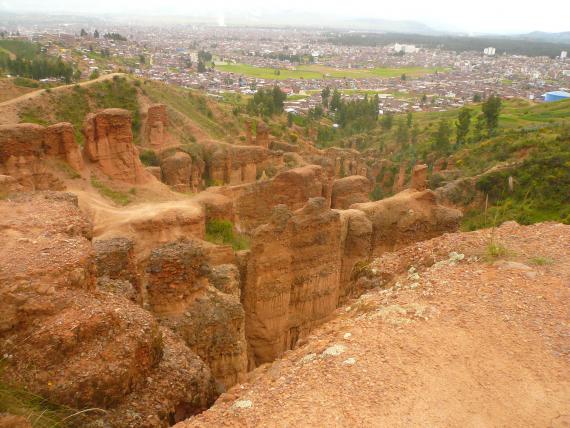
[155, 125]
[201, 304]
[88, 348]
[350, 190]
[292, 279]
[109, 145]
[407, 217]
[26, 150]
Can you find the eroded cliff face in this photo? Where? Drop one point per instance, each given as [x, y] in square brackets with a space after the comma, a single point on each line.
[26, 151]
[200, 301]
[109, 145]
[407, 217]
[182, 172]
[254, 203]
[234, 164]
[292, 279]
[89, 348]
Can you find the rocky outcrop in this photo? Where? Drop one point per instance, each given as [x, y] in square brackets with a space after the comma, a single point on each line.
[407, 217]
[74, 345]
[182, 172]
[350, 190]
[356, 246]
[155, 124]
[254, 203]
[262, 135]
[292, 278]
[9, 185]
[26, 149]
[116, 267]
[109, 145]
[419, 177]
[201, 304]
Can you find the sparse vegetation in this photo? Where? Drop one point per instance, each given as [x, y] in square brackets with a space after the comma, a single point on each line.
[120, 198]
[222, 232]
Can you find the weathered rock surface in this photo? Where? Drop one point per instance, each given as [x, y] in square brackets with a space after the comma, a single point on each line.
[155, 124]
[109, 145]
[116, 267]
[26, 149]
[201, 304]
[350, 190]
[65, 341]
[254, 203]
[419, 177]
[292, 279]
[233, 164]
[407, 217]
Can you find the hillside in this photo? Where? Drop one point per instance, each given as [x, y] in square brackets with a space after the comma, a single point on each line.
[165, 250]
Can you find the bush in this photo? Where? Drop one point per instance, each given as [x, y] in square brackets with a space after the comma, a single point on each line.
[222, 232]
[149, 158]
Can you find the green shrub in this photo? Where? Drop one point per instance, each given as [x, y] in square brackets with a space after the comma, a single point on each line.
[222, 232]
[149, 158]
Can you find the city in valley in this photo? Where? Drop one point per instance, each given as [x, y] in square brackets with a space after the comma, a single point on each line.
[305, 214]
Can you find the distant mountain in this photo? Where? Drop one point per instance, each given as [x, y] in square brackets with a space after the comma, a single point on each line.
[563, 37]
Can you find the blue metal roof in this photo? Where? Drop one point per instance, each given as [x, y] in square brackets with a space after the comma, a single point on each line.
[559, 93]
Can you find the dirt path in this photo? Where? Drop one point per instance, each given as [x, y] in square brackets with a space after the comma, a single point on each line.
[37, 93]
[464, 343]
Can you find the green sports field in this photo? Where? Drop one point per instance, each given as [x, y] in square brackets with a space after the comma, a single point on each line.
[324, 72]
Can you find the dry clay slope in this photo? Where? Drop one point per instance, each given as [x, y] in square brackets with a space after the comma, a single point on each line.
[464, 342]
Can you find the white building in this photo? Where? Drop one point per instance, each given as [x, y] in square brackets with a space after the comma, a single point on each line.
[490, 51]
[405, 48]
[563, 54]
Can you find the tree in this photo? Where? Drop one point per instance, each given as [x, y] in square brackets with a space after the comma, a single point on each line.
[201, 67]
[387, 121]
[415, 134]
[462, 125]
[403, 77]
[442, 137]
[402, 134]
[409, 119]
[325, 94]
[289, 119]
[94, 74]
[96, 34]
[477, 98]
[424, 99]
[335, 100]
[491, 109]
[479, 128]
[83, 33]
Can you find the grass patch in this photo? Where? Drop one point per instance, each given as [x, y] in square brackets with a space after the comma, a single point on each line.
[222, 232]
[39, 412]
[120, 198]
[495, 250]
[315, 71]
[541, 261]
[32, 115]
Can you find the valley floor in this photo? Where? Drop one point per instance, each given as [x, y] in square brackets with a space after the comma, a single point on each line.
[465, 339]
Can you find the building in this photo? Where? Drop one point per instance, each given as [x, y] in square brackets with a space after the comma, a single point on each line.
[405, 48]
[563, 54]
[490, 51]
[556, 96]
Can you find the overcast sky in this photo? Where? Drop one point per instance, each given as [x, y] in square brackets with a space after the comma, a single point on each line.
[498, 16]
